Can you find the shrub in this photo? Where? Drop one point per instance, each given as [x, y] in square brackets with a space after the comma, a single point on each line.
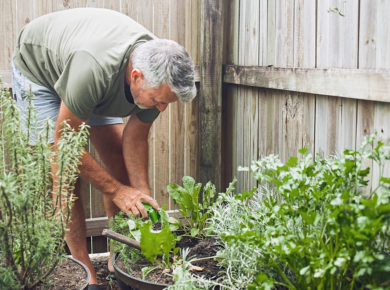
[31, 226]
[308, 225]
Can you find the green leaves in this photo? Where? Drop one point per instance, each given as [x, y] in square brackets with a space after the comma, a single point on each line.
[307, 224]
[31, 228]
[194, 207]
[158, 243]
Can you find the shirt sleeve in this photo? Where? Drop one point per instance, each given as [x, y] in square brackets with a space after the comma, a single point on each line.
[81, 84]
[148, 116]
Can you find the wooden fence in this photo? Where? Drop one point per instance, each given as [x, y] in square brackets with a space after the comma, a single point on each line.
[297, 73]
[305, 74]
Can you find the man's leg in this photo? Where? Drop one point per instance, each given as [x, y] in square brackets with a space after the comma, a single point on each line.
[107, 141]
[75, 237]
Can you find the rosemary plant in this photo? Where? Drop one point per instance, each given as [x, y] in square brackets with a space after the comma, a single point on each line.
[31, 226]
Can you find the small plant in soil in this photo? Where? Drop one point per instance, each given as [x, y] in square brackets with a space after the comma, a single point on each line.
[31, 224]
[154, 243]
[161, 247]
[194, 204]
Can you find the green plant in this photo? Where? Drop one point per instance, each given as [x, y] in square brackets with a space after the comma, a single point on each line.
[153, 243]
[31, 226]
[308, 224]
[194, 207]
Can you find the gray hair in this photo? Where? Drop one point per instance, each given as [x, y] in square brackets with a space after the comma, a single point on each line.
[164, 61]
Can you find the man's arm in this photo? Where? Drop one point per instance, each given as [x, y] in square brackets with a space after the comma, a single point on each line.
[136, 152]
[128, 199]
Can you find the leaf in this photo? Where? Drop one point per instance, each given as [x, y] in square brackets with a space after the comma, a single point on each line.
[385, 180]
[303, 150]
[308, 217]
[181, 196]
[292, 162]
[188, 183]
[146, 270]
[194, 232]
[194, 268]
[154, 244]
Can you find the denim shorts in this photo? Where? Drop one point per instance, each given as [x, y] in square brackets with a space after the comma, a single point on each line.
[46, 105]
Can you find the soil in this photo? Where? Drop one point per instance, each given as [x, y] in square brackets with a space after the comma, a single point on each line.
[71, 276]
[67, 275]
[199, 249]
[106, 281]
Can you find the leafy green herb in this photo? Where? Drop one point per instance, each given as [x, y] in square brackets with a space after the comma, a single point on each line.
[194, 207]
[312, 223]
[31, 228]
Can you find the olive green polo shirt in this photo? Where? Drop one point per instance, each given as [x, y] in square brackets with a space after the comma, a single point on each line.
[82, 54]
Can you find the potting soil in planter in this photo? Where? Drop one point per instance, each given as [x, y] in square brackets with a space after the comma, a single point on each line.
[199, 249]
[67, 275]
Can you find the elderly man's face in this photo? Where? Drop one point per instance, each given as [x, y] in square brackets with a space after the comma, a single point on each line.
[148, 98]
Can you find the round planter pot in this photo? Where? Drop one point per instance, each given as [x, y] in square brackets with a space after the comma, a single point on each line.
[86, 270]
[129, 282]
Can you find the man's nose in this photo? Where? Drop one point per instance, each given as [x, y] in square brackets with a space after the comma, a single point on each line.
[161, 107]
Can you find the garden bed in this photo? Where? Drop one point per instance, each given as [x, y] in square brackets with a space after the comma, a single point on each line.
[311, 222]
[70, 274]
[199, 248]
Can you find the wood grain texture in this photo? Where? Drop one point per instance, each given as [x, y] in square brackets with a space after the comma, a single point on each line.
[374, 44]
[162, 129]
[370, 84]
[210, 101]
[192, 44]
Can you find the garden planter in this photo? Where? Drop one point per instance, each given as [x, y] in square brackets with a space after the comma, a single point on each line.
[71, 274]
[86, 271]
[129, 282]
[199, 248]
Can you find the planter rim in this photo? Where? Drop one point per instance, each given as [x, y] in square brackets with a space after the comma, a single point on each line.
[121, 274]
[85, 286]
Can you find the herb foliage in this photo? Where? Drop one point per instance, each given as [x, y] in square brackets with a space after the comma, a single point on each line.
[194, 206]
[31, 226]
[310, 224]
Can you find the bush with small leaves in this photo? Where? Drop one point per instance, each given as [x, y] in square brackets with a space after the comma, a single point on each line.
[31, 224]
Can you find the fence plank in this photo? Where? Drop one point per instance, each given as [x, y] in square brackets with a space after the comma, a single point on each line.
[210, 101]
[162, 140]
[192, 42]
[284, 39]
[305, 34]
[250, 56]
[229, 122]
[242, 176]
[8, 34]
[362, 84]
[300, 108]
[374, 44]
[177, 118]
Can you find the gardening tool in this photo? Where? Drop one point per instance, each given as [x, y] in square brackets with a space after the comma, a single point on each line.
[152, 213]
[121, 238]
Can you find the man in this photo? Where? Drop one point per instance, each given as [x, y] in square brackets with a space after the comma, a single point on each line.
[97, 66]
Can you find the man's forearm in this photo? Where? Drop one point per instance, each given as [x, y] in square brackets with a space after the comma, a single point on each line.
[135, 152]
[91, 170]
[136, 160]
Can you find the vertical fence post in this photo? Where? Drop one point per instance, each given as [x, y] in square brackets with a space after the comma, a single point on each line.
[210, 97]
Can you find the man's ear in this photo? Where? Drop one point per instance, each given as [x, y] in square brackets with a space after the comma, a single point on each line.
[136, 74]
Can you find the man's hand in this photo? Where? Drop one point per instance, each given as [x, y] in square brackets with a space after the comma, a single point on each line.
[129, 200]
